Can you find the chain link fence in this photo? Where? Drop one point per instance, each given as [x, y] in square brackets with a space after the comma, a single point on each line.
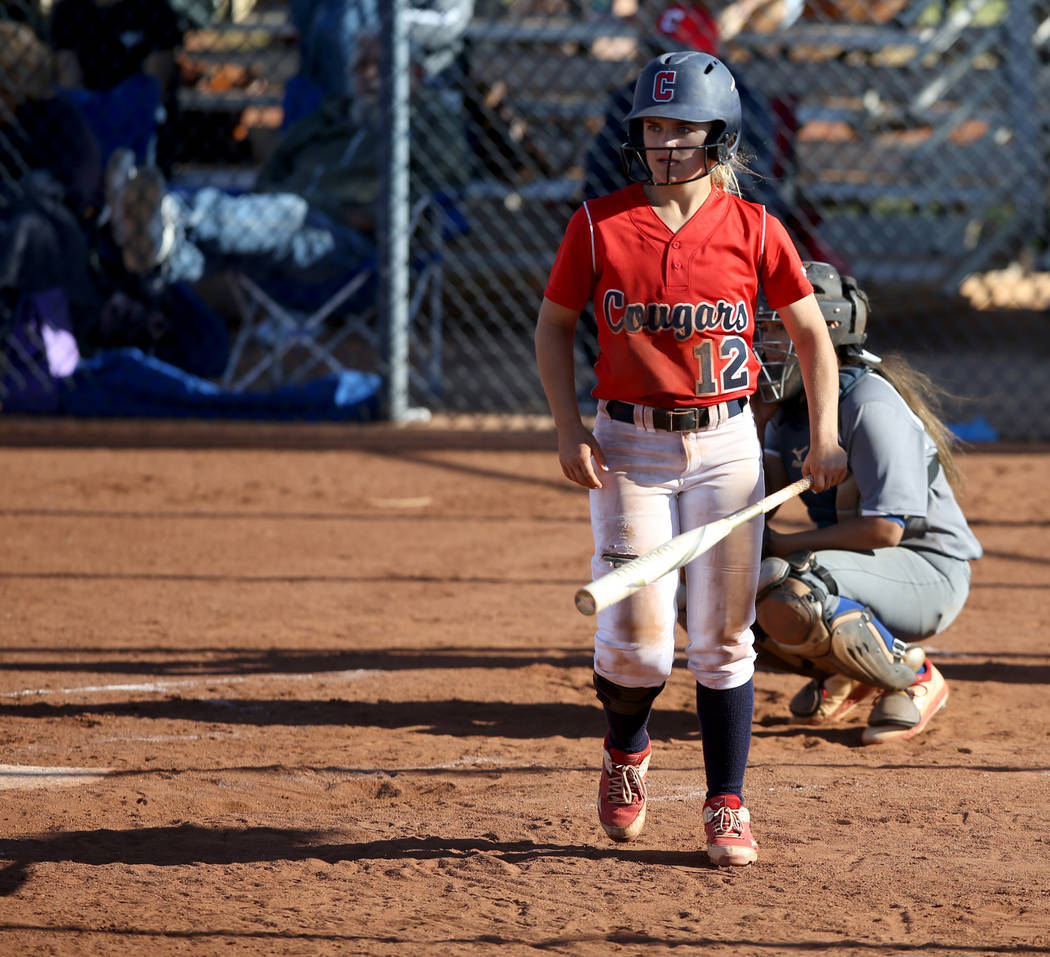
[903, 142]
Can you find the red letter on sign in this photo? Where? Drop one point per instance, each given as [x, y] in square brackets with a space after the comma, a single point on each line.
[663, 86]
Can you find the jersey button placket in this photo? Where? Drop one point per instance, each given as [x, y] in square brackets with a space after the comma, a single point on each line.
[676, 273]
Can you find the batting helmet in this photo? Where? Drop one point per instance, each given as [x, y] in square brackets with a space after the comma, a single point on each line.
[690, 86]
[844, 306]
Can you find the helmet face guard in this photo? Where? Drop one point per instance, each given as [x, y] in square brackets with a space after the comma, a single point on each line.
[845, 309]
[634, 162]
[688, 86]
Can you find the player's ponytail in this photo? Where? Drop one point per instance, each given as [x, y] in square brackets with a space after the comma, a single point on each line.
[726, 175]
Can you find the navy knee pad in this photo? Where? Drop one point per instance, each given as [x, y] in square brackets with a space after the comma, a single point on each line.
[626, 701]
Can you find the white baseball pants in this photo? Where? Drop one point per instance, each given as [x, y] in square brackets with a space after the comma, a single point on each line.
[660, 484]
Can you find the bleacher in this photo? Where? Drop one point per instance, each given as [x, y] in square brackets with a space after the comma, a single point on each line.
[899, 125]
[233, 76]
[913, 140]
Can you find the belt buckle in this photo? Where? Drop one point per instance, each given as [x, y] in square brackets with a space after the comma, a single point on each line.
[695, 417]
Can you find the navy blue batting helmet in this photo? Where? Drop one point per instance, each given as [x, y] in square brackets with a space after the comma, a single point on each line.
[690, 86]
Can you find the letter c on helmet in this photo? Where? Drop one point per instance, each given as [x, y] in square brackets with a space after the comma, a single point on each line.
[663, 86]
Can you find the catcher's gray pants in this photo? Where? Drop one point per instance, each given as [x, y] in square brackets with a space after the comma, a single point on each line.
[914, 594]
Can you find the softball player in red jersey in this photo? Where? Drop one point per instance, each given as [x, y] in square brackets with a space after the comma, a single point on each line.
[673, 265]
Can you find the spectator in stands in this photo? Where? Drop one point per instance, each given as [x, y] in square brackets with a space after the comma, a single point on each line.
[52, 233]
[328, 31]
[311, 219]
[117, 58]
[41, 131]
[49, 176]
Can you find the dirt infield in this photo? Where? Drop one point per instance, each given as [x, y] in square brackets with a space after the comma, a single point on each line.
[326, 692]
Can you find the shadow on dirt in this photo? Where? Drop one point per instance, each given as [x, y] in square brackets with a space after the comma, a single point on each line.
[451, 717]
[187, 844]
[244, 662]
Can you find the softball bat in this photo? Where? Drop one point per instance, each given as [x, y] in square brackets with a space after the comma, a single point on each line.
[680, 550]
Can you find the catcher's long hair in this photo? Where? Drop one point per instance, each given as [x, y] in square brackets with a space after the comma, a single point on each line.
[926, 399]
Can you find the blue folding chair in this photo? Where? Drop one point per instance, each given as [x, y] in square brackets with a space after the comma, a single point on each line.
[288, 332]
[128, 115]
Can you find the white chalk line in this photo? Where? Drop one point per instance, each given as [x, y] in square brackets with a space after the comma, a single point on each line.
[684, 793]
[19, 777]
[153, 687]
[160, 738]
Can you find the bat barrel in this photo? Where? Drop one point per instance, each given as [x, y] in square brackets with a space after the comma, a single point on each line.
[646, 569]
[679, 551]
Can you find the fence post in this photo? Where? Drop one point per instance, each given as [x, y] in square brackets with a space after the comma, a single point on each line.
[393, 235]
[1022, 70]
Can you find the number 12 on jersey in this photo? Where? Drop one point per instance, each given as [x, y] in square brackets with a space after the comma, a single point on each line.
[733, 352]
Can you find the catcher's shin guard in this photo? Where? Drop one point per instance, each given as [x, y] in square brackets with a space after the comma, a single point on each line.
[867, 652]
[790, 607]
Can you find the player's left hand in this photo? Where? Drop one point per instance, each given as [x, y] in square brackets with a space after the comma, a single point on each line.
[826, 464]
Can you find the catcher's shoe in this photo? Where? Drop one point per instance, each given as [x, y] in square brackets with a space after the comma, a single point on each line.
[899, 715]
[621, 791]
[727, 825]
[830, 699]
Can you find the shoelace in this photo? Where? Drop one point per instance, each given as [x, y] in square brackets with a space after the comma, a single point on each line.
[919, 690]
[625, 784]
[727, 821]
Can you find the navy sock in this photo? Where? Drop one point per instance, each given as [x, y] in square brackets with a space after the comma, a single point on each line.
[725, 729]
[628, 732]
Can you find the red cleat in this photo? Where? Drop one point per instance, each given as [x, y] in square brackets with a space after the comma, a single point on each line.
[621, 792]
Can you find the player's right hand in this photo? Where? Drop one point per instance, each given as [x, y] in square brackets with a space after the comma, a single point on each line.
[578, 453]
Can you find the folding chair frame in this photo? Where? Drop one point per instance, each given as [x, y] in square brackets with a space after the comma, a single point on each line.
[277, 329]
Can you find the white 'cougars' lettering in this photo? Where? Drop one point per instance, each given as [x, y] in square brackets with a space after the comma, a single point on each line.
[683, 318]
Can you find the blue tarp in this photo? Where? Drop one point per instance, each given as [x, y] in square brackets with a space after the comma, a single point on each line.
[127, 383]
[978, 429]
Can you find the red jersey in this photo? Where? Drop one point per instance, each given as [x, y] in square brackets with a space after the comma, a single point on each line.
[675, 311]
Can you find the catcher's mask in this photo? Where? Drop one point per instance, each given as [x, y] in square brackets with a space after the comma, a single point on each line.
[689, 86]
[845, 309]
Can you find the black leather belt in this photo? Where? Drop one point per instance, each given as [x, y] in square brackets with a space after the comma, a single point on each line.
[673, 420]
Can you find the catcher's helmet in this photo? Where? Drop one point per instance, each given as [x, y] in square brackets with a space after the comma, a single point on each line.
[845, 309]
[690, 86]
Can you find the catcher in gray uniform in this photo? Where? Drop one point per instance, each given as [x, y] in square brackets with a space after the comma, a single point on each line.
[888, 563]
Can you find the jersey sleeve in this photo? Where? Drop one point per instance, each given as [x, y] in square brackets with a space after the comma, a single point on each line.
[782, 275]
[887, 457]
[572, 277]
